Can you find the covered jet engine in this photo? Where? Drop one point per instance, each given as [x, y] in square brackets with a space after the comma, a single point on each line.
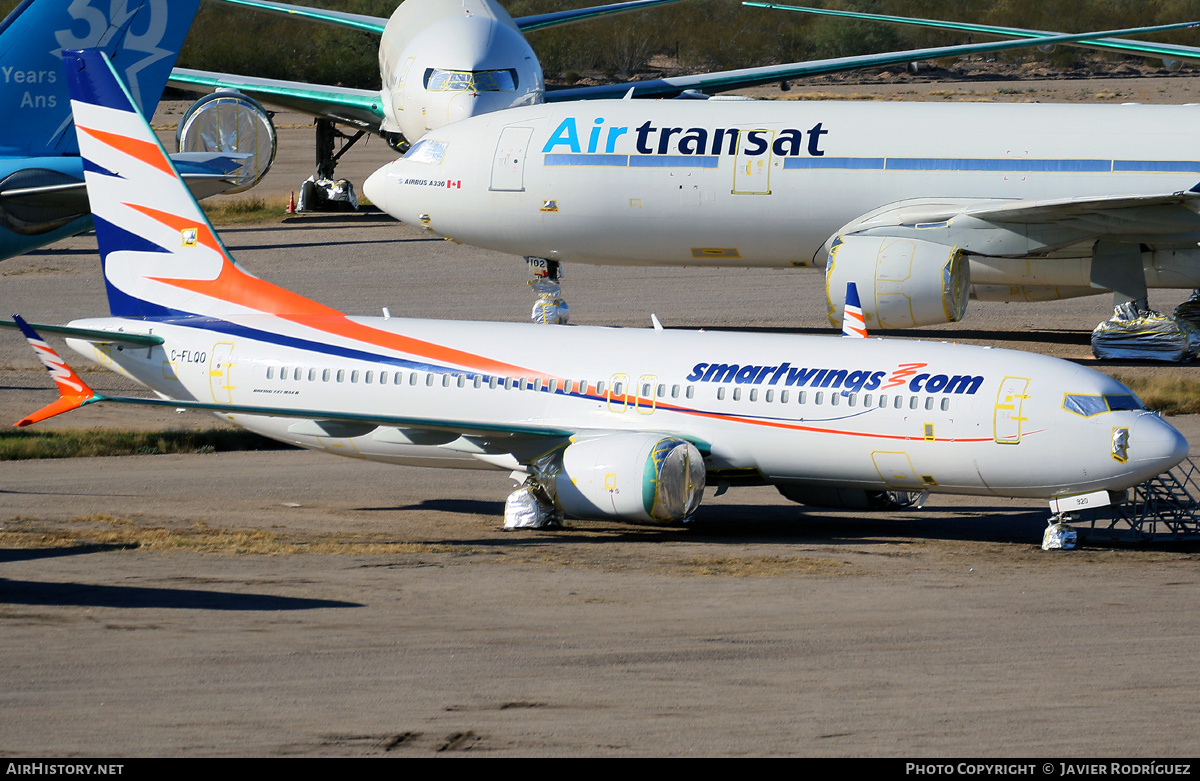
[903, 283]
[230, 122]
[642, 478]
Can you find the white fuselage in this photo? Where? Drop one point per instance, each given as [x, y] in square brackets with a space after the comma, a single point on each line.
[769, 183]
[788, 410]
[440, 62]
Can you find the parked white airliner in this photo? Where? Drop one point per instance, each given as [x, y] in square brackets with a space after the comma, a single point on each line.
[624, 424]
[922, 204]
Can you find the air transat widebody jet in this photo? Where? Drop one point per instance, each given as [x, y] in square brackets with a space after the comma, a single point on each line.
[626, 424]
[922, 204]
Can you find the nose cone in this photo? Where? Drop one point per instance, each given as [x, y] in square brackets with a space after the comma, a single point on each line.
[375, 188]
[1155, 445]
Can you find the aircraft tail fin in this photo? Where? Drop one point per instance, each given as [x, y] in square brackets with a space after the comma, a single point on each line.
[853, 322]
[142, 37]
[73, 392]
[161, 256]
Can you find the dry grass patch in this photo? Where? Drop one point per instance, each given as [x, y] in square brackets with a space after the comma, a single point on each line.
[761, 566]
[117, 531]
[16, 445]
[242, 211]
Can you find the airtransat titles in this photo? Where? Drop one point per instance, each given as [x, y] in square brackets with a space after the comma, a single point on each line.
[839, 379]
[652, 140]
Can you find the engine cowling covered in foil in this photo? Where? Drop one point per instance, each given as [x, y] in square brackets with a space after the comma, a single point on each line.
[636, 477]
[902, 283]
[231, 122]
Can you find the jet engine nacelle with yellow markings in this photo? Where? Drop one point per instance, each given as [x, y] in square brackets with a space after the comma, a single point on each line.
[902, 282]
[635, 477]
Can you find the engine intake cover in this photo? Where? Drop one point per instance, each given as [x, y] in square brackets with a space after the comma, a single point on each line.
[902, 283]
[230, 122]
[645, 478]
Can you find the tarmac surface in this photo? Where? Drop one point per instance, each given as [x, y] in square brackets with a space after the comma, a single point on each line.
[288, 603]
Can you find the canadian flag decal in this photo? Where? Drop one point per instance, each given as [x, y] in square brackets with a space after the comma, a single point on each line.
[457, 183]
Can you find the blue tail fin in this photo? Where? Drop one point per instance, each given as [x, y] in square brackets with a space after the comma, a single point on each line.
[141, 37]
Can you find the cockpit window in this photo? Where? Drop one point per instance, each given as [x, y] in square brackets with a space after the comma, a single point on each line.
[438, 80]
[427, 150]
[1087, 405]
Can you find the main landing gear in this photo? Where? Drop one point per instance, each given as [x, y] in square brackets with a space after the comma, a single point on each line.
[549, 308]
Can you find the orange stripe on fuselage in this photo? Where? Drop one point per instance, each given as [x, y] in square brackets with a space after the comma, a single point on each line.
[148, 153]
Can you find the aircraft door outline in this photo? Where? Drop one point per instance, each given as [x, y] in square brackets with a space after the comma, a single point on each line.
[508, 164]
[1009, 411]
[896, 470]
[220, 370]
[622, 399]
[752, 173]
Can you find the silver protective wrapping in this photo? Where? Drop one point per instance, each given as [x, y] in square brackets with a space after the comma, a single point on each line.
[680, 480]
[319, 194]
[549, 308]
[526, 509]
[230, 122]
[1137, 333]
[1059, 536]
[1189, 310]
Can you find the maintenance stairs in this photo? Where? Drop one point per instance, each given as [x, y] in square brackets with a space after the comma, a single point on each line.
[1162, 509]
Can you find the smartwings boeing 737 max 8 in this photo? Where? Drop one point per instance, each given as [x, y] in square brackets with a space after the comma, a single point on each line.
[625, 424]
[922, 204]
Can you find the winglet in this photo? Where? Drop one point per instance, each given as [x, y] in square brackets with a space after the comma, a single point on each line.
[73, 391]
[853, 322]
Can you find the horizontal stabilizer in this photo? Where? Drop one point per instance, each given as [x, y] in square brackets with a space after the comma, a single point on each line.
[88, 334]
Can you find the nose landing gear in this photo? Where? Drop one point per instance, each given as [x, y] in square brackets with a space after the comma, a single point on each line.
[549, 308]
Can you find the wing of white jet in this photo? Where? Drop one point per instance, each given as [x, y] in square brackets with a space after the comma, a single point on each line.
[622, 424]
[1172, 55]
